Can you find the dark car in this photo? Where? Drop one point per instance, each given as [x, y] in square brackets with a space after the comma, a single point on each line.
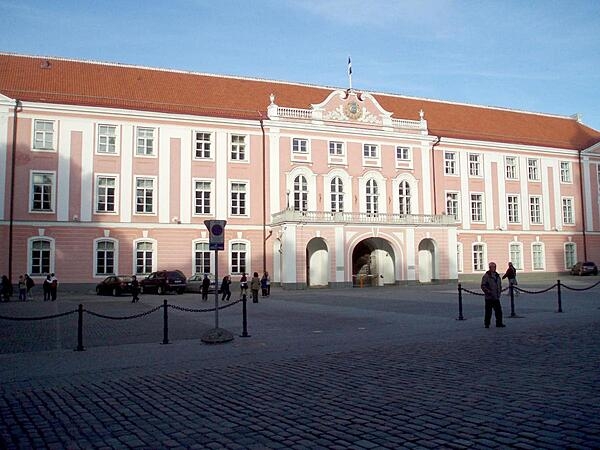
[164, 281]
[114, 285]
[194, 283]
[584, 268]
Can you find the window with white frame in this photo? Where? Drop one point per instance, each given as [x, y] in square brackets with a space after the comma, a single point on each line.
[570, 255]
[105, 257]
[512, 167]
[144, 195]
[478, 257]
[475, 164]
[372, 197]
[370, 151]
[202, 258]
[512, 207]
[535, 209]
[202, 196]
[565, 172]
[238, 258]
[299, 145]
[533, 169]
[336, 148]
[404, 197]
[477, 207]
[203, 144]
[515, 254]
[450, 163]
[42, 191]
[402, 153]
[300, 193]
[238, 147]
[107, 139]
[239, 192]
[459, 258]
[337, 195]
[106, 190]
[567, 211]
[452, 205]
[41, 257]
[145, 142]
[43, 135]
[144, 254]
[537, 253]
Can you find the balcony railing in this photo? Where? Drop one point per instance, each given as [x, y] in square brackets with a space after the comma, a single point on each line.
[289, 215]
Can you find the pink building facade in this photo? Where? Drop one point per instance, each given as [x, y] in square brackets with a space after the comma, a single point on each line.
[109, 169]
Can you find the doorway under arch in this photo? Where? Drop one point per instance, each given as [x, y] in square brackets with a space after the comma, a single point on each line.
[427, 260]
[373, 262]
[317, 263]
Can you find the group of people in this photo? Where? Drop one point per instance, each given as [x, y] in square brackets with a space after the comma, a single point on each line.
[256, 284]
[25, 286]
[491, 285]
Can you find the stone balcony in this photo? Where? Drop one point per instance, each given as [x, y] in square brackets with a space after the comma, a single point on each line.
[351, 218]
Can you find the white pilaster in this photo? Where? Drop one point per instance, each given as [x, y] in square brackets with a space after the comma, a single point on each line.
[164, 176]
[4, 150]
[221, 194]
[87, 171]
[127, 179]
[340, 247]
[288, 264]
[411, 253]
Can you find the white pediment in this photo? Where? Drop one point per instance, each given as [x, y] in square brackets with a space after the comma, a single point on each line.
[352, 106]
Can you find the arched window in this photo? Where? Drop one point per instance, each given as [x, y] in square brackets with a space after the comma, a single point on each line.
[239, 254]
[404, 197]
[144, 252]
[372, 197]
[337, 195]
[105, 257]
[41, 257]
[201, 258]
[300, 193]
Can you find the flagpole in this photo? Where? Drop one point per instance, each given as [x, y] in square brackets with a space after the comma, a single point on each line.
[350, 72]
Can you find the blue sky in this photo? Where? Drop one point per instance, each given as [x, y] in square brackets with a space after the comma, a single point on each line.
[534, 55]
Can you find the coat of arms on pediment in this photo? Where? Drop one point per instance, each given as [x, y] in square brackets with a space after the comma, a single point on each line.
[352, 106]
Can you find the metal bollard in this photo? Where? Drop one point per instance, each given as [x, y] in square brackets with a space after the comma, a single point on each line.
[512, 301]
[165, 323]
[559, 297]
[244, 318]
[460, 306]
[80, 346]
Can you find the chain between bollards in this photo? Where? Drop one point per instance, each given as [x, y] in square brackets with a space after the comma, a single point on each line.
[165, 323]
[244, 317]
[460, 305]
[80, 346]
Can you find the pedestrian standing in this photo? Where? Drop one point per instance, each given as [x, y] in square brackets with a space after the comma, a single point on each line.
[29, 283]
[46, 287]
[263, 284]
[205, 287]
[491, 285]
[6, 289]
[225, 289]
[254, 287]
[53, 286]
[268, 284]
[135, 289]
[243, 285]
[511, 274]
[22, 289]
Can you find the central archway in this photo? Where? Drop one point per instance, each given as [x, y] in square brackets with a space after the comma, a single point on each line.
[373, 261]
[317, 263]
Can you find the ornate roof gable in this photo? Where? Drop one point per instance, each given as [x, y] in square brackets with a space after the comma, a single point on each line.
[355, 106]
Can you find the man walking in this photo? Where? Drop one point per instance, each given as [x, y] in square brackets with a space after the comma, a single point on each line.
[491, 285]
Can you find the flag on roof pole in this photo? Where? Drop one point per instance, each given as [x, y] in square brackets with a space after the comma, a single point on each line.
[350, 71]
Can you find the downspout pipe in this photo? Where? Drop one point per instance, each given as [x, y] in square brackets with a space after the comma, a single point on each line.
[437, 141]
[582, 206]
[12, 188]
[264, 193]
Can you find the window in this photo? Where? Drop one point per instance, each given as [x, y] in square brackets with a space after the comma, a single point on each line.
[144, 195]
[202, 144]
[513, 209]
[450, 163]
[202, 258]
[105, 257]
[300, 193]
[42, 192]
[535, 210]
[337, 195]
[512, 168]
[107, 139]
[145, 141]
[238, 199]
[477, 207]
[202, 195]
[533, 169]
[299, 145]
[537, 250]
[404, 197]
[41, 252]
[238, 258]
[402, 153]
[516, 255]
[238, 147]
[370, 151]
[570, 255]
[478, 258]
[105, 194]
[567, 211]
[565, 172]
[372, 197]
[336, 148]
[452, 205]
[43, 135]
[144, 252]
[474, 164]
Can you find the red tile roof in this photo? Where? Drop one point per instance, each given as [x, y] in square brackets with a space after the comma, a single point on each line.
[63, 81]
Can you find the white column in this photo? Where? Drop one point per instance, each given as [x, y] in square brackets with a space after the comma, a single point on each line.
[452, 262]
[340, 253]
[411, 252]
[288, 264]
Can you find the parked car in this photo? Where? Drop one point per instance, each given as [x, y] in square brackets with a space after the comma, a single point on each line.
[584, 268]
[114, 285]
[194, 283]
[164, 281]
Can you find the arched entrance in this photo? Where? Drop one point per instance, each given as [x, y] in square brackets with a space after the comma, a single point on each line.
[317, 263]
[373, 263]
[427, 260]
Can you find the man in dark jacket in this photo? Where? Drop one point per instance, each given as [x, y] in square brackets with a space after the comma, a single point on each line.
[491, 285]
